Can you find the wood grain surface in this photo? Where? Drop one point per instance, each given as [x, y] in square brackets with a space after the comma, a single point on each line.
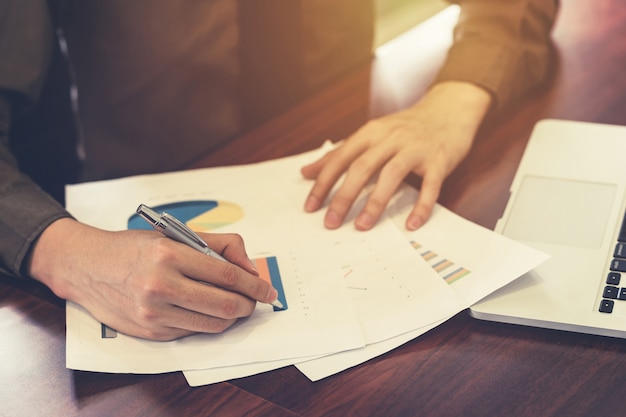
[465, 367]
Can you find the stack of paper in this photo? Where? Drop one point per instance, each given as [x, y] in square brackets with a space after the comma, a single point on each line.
[350, 295]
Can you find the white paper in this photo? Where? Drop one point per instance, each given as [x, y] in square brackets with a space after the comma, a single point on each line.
[319, 318]
[351, 295]
[471, 259]
[319, 368]
[315, 264]
[475, 261]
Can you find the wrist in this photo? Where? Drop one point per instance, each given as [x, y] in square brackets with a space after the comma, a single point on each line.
[462, 96]
[52, 258]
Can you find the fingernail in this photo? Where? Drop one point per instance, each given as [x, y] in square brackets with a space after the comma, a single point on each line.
[364, 221]
[272, 294]
[332, 220]
[253, 266]
[311, 204]
[414, 223]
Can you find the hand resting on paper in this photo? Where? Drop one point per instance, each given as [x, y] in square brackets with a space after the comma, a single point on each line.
[428, 139]
[139, 282]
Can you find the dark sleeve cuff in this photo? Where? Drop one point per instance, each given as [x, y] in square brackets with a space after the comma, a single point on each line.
[24, 214]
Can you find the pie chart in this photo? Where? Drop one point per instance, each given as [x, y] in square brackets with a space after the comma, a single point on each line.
[198, 215]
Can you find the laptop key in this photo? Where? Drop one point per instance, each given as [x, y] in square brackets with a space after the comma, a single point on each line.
[610, 292]
[620, 250]
[613, 278]
[618, 265]
[606, 306]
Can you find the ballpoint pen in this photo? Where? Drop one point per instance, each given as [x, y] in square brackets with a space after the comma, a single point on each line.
[173, 228]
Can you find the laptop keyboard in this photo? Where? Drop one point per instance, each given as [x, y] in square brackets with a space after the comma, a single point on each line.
[612, 290]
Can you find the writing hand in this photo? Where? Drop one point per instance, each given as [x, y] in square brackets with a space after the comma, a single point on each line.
[144, 284]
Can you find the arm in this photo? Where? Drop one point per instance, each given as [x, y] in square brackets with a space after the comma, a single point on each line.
[136, 282]
[433, 136]
[24, 209]
[139, 283]
[502, 46]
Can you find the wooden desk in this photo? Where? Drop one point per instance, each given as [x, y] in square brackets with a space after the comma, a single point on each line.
[465, 367]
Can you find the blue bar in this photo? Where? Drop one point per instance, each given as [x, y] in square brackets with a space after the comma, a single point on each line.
[272, 266]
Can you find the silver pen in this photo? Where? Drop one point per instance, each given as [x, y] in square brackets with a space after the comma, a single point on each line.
[173, 228]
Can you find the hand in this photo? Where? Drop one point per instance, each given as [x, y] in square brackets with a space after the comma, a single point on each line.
[429, 139]
[144, 284]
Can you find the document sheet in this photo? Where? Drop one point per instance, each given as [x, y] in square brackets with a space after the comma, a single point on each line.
[349, 295]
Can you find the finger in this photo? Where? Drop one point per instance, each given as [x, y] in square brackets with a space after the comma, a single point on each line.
[390, 178]
[177, 306]
[174, 322]
[182, 284]
[232, 247]
[212, 301]
[228, 276]
[359, 173]
[329, 170]
[188, 321]
[312, 170]
[429, 193]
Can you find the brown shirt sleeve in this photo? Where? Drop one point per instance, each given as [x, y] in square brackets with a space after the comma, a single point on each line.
[502, 46]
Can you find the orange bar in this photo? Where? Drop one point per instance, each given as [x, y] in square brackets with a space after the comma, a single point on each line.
[261, 266]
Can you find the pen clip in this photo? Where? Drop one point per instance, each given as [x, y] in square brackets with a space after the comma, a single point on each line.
[167, 220]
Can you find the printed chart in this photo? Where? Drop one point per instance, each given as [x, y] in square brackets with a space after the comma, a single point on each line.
[446, 269]
[199, 215]
[268, 270]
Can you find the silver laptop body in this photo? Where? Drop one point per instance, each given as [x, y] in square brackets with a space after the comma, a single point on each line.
[568, 199]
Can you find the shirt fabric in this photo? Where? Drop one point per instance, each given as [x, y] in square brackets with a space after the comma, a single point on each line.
[180, 77]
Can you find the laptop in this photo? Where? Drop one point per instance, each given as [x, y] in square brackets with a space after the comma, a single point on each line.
[568, 198]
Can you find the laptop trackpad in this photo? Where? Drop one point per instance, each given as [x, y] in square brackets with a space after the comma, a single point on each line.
[560, 212]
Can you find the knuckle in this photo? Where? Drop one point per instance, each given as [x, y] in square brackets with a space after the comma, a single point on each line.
[220, 326]
[215, 324]
[394, 169]
[162, 254]
[375, 205]
[210, 324]
[237, 238]
[341, 202]
[229, 308]
[361, 165]
[230, 276]
[146, 315]
[150, 288]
